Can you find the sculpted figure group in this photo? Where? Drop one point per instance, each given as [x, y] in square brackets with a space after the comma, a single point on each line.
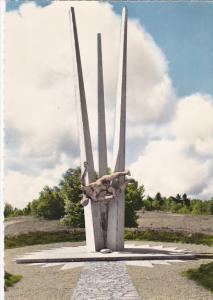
[106, 188]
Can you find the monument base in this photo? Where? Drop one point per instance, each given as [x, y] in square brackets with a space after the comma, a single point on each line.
[131, 252]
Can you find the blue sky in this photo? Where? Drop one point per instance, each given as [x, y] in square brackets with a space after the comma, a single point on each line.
[13, 5]
[182, 30]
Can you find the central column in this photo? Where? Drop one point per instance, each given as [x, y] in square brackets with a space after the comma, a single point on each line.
[102, 145]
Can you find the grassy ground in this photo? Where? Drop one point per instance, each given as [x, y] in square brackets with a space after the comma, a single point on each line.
[39, 237]
[202, 275]
[10, 279]
[169, 236]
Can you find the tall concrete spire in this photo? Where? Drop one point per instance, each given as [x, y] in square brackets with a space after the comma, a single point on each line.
[94, 235]
[102, 144]
[115, 232]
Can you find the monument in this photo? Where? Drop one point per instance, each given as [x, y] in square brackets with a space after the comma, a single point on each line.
[103, 199]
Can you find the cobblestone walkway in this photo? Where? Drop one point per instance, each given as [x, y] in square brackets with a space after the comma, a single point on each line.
[105, 281]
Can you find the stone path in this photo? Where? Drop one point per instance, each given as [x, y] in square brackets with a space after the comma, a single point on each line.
[105, 281]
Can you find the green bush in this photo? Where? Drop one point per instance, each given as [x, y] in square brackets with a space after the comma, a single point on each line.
[202, 275]
[147, 204]
[184, 210]
[10, 279]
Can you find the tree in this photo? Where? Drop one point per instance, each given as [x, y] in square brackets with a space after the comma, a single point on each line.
[50, 205]
[33, 207]
[8, 210]
[178, 199]
[167, 204]
[70, 191]
[133, 203]
[186, 200]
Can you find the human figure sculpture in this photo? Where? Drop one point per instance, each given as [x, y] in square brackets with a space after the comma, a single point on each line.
[106, 188]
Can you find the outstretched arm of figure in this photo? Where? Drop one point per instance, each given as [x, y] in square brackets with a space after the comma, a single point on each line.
[118, 174]
[83, 176]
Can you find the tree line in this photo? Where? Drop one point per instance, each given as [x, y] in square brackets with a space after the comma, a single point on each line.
[62, 202]
[181, 204]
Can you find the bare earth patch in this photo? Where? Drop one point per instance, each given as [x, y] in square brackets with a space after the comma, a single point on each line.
[25, 224]
[176, 222]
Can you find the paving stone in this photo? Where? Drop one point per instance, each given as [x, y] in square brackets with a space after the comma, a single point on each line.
[105, 281]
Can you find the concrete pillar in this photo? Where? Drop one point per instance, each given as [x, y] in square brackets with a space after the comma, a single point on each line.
[102, 145]
[94, 235]
[115, 231]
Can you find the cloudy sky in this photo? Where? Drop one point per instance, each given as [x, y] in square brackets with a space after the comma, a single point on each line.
[169, 93]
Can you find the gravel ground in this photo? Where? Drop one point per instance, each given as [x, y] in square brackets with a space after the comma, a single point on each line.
[165, 282]
[40, 283]
[158, 283]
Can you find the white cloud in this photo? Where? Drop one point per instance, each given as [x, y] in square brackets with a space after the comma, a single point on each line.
[193, 122]
[40, 100]
[42, 139]
[22, 188]
[40, 69]
[166, 166]
[182, 163]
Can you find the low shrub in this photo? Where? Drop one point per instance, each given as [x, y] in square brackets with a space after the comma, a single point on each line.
[168, 236]
[39, 237]
[202, 275]
[10, 279]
